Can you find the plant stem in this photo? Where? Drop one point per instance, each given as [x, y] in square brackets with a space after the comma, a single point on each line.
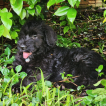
[2, 44]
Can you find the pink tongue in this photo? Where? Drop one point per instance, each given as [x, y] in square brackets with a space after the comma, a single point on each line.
[25, 55]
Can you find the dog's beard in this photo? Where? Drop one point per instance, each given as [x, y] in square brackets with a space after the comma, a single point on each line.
[27, 60]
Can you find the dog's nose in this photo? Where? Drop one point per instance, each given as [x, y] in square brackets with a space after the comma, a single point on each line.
[23, 47]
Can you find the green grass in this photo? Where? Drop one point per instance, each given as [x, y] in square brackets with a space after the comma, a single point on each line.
[43, 93]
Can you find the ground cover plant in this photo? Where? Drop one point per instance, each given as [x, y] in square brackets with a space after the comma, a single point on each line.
[71, 33]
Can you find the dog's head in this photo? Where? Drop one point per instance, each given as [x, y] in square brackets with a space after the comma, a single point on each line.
[35, 38]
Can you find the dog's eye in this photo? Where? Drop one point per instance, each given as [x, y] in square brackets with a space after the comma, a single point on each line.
[34, 36]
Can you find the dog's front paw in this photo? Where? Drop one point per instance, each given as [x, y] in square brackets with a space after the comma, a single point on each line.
[16, 88]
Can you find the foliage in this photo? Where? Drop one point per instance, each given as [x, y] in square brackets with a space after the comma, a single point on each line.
[43, 93]
[95, 97]
[98, 96]
[99, 69]
[5, 58]
[34, 9]
[66, 12]
[7, 16]
[104, 14]
[64, 42]
[8, 75]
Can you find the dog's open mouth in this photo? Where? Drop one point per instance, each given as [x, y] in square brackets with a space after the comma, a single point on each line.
[26, 55]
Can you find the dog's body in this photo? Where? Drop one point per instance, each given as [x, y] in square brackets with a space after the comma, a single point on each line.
[37, 49]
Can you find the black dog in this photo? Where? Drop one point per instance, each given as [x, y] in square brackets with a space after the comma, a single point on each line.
[37, 49]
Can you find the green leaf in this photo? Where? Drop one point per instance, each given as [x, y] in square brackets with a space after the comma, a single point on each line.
[7, 79]
[72, 2]
[103, 102]
[14, 104]
[32, 12]
[23, 75]
[71, 14]
[42, 79]
[15, 79]
[87, 100]
[62, 17]
[5, 71]
[98, 83]
[34, 1]
[1, 103]
[62, 11]
[38, 10]
[89, 92]
[17, 6]
[14, 34]
[50, 3]
[6, 33]
[5, 18]
[31, 6]
[1, 30]
[1, 93]
[80, 87]
[10, 61]
[99, 91]
[18, 68]
[77, 44]
[48, 83]
[77, 3]
[69, 75]
[66, 28]
[100, 74]
[104, 13]
[100, 98]
[72, 26]
[103, 82]
[3, 11]
[0, 68]
[22, 22]
[23, 14]
[12, 1]
[35, 100]
[63, 23]
[104, 20]
[58, 1]
[99, 69]
[7, 51]
[62, 75]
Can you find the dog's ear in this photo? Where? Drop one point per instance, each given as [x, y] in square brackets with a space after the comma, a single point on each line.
[50, 35]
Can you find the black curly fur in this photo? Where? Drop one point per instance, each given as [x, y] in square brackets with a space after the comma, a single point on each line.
[40, 40]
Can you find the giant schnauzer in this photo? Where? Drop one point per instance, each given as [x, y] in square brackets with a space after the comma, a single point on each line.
[37, 49]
